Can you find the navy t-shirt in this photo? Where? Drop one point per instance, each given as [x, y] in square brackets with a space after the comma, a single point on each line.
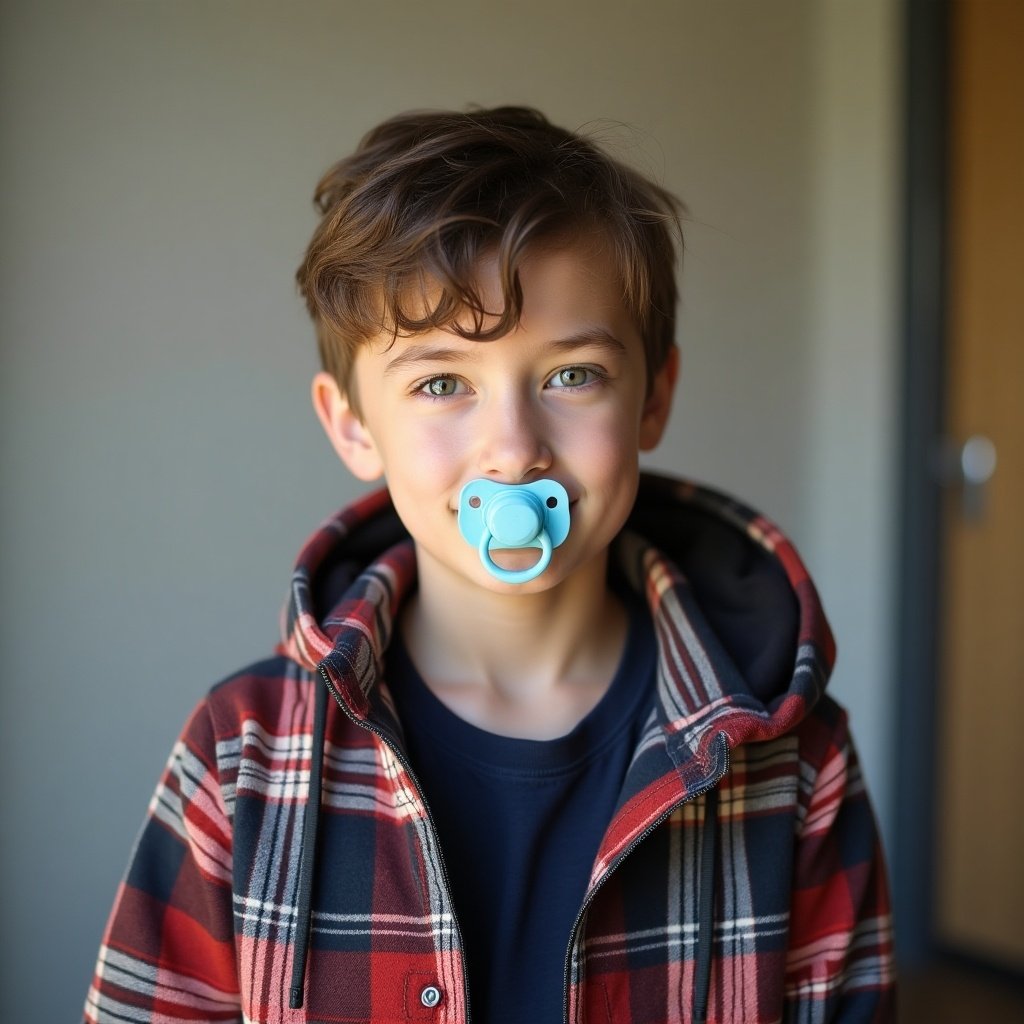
[520, 822]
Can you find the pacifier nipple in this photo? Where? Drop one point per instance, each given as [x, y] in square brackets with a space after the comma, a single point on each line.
[513, 518]
[534, 515]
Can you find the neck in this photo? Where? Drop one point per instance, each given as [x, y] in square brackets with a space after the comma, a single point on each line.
[517, 664]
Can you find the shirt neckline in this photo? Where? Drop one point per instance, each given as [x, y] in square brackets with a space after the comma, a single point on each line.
[424, 714]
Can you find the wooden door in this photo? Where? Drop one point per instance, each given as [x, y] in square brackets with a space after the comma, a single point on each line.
[980, 795]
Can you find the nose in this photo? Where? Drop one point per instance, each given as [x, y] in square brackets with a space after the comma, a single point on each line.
[512, 443]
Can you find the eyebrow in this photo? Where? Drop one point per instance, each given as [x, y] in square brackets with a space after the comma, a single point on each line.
[424, 354]
[589, 337]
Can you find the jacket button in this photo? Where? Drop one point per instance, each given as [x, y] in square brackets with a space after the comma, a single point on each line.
[430, 996]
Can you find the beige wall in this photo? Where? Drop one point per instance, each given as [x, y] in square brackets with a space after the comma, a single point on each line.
[848, 482]
[160, 464]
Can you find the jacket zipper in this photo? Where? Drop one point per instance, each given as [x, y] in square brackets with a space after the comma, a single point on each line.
[588, 899]
[429, 818]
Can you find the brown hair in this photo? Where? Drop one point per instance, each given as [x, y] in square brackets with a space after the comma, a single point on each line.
[427, 194]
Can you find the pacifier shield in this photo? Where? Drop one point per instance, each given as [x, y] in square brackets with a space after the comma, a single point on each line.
[534, 515]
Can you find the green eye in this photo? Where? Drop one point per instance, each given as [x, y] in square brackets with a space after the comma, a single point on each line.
[440, 387]
[571, 377]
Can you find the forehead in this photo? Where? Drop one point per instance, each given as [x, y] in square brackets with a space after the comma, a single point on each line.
[571, 288]
[574, 280]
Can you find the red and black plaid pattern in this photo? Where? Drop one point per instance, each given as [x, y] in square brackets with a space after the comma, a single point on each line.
[205, 921]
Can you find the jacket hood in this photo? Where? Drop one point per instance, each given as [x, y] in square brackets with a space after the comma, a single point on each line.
[739, 622]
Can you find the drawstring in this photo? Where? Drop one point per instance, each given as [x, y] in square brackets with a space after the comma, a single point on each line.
[706, 911]
[307, 861]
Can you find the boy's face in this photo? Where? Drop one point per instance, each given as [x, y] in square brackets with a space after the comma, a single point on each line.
[561, 397]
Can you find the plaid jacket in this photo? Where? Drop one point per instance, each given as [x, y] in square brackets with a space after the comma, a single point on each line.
[740, 876]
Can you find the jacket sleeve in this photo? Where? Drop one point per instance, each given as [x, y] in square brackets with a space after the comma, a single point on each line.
[168, 953]
[839, 962]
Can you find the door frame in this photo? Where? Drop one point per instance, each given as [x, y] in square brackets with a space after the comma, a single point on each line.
[922, 394]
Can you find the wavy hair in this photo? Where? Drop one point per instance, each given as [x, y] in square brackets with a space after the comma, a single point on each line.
[407, 218]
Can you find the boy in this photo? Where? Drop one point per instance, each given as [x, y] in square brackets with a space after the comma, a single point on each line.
[546, 738]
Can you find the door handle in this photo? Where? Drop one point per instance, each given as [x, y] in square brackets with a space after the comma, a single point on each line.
[967, 467]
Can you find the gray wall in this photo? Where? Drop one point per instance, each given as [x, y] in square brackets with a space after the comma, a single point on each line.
[160, 463]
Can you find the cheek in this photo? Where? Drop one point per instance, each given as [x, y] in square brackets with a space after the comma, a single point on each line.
[426, 456]
[607, 464]
[608, 442]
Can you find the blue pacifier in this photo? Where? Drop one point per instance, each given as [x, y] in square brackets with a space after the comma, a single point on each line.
[514, 516]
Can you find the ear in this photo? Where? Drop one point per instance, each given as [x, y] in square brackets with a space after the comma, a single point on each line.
[658, 403]
[345, 429]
